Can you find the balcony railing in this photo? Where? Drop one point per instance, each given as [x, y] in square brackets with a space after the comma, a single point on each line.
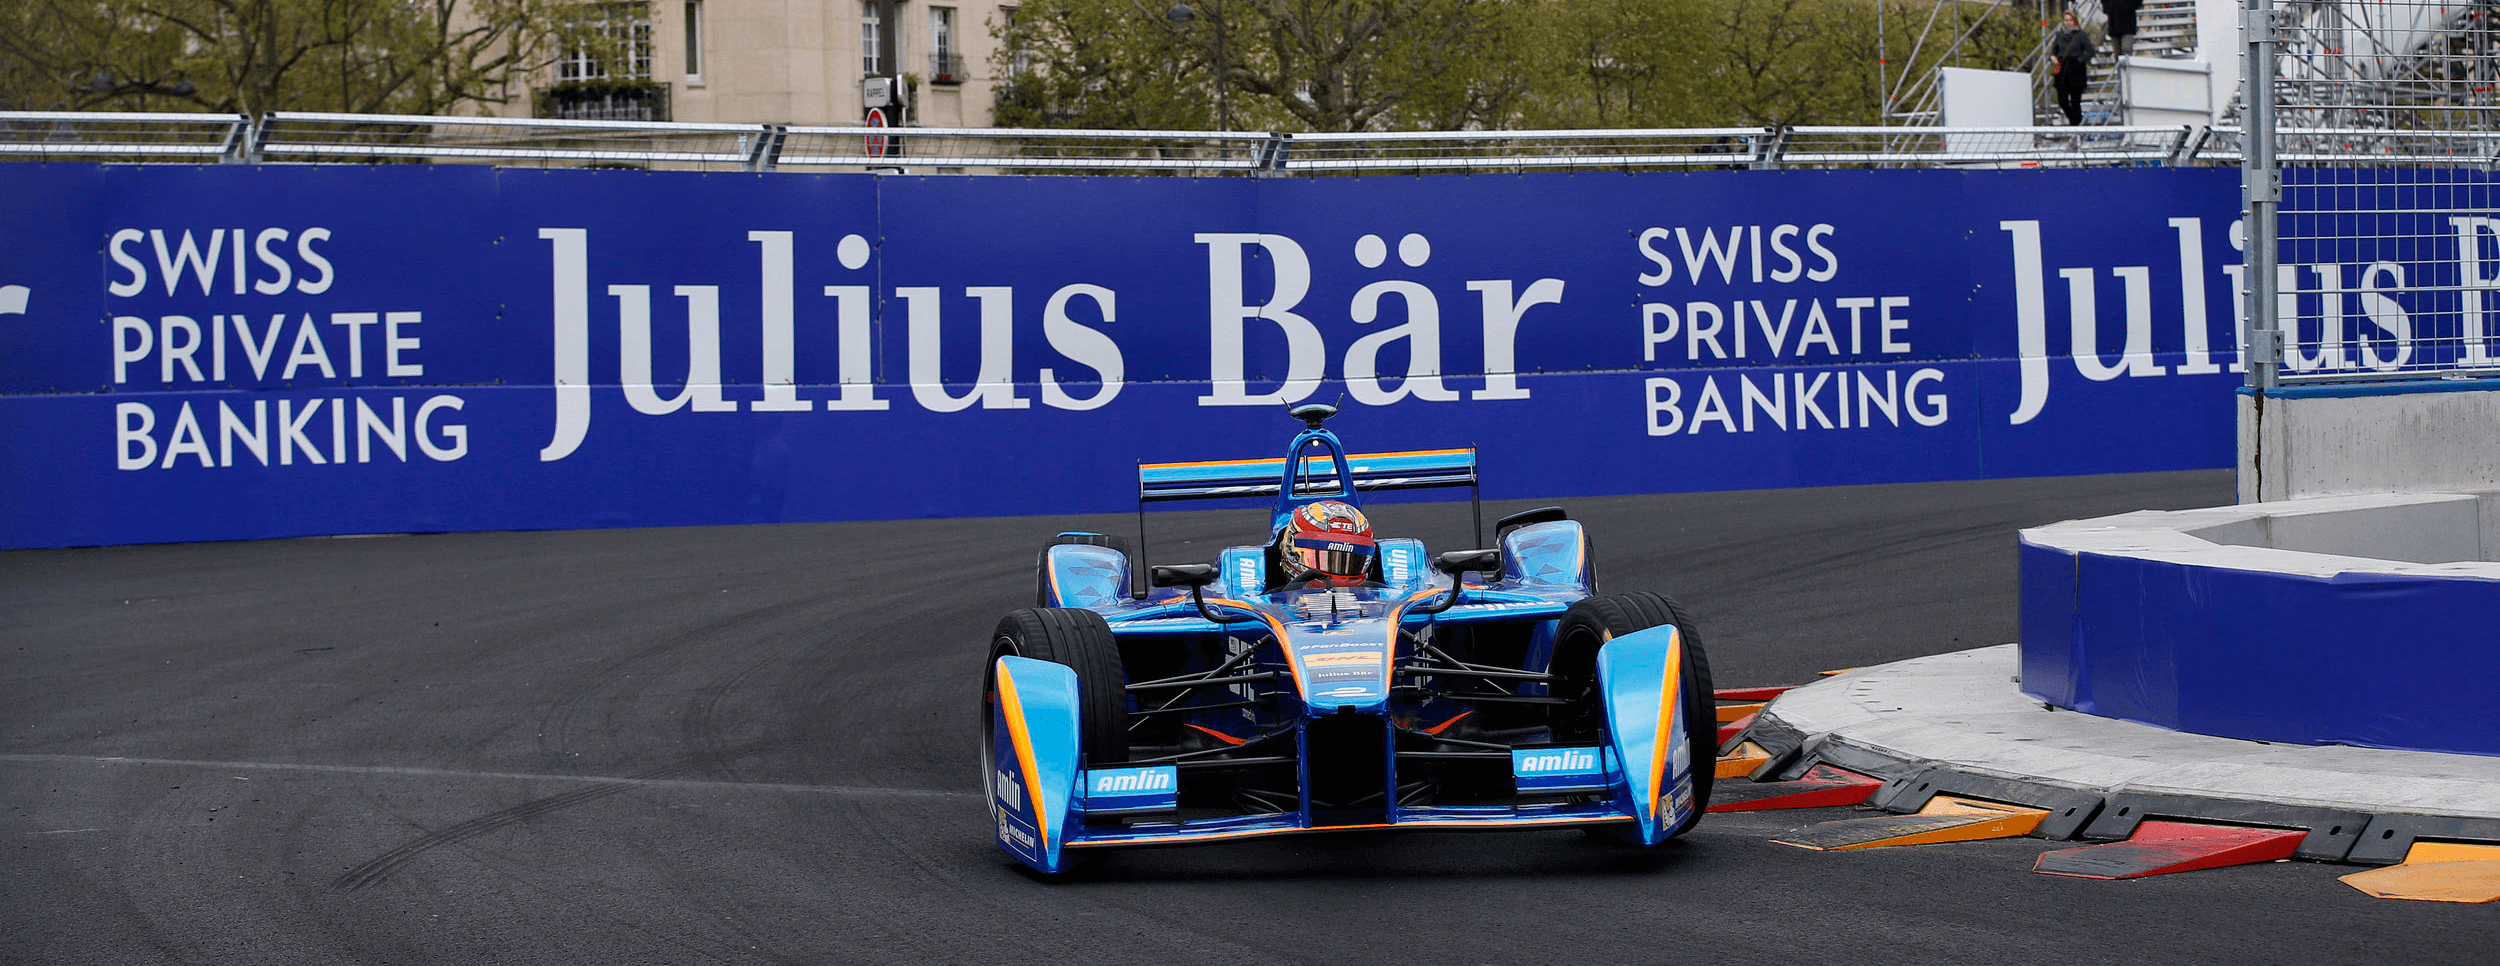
[633, 101]
[947, 67]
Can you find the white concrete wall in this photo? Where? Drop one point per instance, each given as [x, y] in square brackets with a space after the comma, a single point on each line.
[2296, 445]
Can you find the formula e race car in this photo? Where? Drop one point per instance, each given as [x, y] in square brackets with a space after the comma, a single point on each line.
[1330, 679]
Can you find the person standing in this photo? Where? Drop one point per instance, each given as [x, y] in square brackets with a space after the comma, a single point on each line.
[2121, 14]
[2070, 65]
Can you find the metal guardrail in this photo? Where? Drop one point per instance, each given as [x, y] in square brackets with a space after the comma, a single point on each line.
[1829, 147]
[1037, 150]
[1737, 147]
[81, 135]
[374, 138]
[2363, 147]
[294, 137]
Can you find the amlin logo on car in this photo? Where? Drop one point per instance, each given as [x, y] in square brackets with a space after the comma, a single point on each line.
[1010, 792]
[1140, 780]
[1566, 760]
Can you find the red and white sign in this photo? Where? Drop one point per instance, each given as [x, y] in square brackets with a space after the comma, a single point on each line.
[876, 142]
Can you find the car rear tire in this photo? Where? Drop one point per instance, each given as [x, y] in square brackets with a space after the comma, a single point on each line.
[1587, 626]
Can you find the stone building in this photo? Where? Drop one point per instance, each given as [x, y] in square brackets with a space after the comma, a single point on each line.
[779, 61]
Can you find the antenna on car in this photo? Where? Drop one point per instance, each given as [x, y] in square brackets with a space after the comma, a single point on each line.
[1314, 414]
[1140, 591]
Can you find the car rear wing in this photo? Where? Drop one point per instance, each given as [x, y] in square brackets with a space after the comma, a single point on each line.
[1234, 479]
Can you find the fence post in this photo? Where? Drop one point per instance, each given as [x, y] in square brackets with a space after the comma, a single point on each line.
[2261, 189]
[1271, 154]
[767, 152]
[1768, 146]
[243, 143]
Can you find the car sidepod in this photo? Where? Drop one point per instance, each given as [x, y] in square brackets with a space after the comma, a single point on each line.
[1641, 677]
[1033, 759]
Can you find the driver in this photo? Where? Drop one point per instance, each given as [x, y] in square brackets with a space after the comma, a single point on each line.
[1326, 543]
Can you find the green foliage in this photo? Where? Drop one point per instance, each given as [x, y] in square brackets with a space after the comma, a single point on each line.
[376, 56]
[1112, 65]
[1356, 65]
[1306, 65]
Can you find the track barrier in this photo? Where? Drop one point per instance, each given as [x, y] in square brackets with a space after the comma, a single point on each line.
[241, 351]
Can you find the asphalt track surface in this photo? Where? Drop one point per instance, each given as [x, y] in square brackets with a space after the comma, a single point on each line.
[756, 744]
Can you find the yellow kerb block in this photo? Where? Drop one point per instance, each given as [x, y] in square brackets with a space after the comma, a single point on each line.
[2436, 872]
[1742, 761]
[1737, 712]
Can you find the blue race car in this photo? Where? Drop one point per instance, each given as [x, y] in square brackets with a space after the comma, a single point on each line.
[1330, 679]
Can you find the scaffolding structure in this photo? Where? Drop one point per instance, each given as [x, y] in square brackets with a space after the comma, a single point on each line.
[2395, 65]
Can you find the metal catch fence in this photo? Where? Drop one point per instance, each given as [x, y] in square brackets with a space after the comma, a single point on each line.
[2374, 150]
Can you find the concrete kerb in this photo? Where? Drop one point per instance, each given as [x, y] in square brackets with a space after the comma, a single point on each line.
[1956, 723]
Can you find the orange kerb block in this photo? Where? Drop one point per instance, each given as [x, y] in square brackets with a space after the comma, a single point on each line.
[1946, 818]
[2437, 872]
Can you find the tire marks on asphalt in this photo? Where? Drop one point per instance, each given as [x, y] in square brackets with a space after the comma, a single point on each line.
[381, 867]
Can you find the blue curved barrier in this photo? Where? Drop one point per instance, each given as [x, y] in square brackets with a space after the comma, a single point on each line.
[2230, 648]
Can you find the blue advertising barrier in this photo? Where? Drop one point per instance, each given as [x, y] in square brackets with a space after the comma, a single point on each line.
[2375, 660]
[210, 353]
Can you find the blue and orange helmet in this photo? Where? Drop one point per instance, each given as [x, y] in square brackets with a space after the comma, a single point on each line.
[1327, 542]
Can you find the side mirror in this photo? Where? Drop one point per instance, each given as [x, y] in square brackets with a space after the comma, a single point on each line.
[1196, 577]
[1192, 576]
[1458, 563]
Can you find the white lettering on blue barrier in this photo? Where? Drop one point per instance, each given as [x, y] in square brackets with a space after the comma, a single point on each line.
[2137, 351]
[1418, 337]
[315, 431]
[1838, 334]
[995, 385]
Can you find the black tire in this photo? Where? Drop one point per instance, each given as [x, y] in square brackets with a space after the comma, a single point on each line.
[1592, 622]
[1082, 641]
[1041, 568]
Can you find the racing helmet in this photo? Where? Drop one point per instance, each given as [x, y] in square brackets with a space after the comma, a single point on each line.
[1326, 541]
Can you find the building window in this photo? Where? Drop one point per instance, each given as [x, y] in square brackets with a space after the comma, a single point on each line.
[694, 41]
[603, 71]
[946, 64]
[1022, 62]
[608, 41]
[870, 43]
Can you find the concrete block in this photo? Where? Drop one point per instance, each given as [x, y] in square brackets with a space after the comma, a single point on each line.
[2301, 442]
